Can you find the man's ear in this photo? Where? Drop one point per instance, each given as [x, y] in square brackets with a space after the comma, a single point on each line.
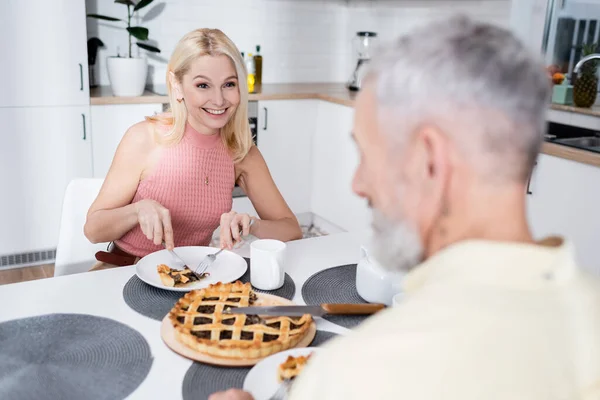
[430, 169]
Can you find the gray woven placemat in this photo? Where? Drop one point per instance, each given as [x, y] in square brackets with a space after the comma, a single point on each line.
[335, 285]
[287, 291]
[71, 356]
[148, 300]
[202, 380]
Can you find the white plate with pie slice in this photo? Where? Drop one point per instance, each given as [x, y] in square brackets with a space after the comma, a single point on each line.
[262, 380]
[228, 267]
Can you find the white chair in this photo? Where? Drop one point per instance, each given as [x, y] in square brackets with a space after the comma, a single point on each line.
[74, 252]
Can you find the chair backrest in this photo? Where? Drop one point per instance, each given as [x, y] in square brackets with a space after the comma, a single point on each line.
[74, 252]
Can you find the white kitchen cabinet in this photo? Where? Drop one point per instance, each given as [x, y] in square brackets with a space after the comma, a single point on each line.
[44, 53]
[285, 134]
[528, 21]
[564, 200]
[109, 124]
[334, 160]
[45, 148]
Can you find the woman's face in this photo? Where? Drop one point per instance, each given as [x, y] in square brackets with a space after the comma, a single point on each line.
[211, 94]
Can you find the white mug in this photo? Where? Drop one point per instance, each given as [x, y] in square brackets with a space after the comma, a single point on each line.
[266, 264]
[374, 283]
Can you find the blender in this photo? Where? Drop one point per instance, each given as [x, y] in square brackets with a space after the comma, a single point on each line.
[363, 44]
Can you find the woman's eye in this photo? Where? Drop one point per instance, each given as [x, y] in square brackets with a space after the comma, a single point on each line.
[202, 85]
[230, 84]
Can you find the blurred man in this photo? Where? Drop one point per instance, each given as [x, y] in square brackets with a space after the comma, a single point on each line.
[449, 125]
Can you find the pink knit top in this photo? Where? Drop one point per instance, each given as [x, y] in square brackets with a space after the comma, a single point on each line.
[194, 180]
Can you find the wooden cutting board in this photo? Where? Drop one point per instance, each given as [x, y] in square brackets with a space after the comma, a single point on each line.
[167, 333]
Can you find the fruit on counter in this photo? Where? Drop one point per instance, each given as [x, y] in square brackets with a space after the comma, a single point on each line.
[585, 87]
[558, 78]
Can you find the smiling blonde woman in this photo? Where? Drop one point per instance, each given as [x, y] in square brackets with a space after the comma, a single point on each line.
[173, 174]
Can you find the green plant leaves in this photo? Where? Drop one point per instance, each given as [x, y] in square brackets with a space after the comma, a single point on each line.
[142, 4]
[148, 47]
[104, 17]
[138, 32]
[126, 2]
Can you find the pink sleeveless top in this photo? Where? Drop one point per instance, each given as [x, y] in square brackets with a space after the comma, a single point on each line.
[194, 180]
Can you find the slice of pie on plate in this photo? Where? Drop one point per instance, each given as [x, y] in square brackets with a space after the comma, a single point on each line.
[201, 325]
[292, 367]
[176, 277]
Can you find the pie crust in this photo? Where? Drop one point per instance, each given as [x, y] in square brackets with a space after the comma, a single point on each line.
[292, 367]
[176, 277]
[201, 325]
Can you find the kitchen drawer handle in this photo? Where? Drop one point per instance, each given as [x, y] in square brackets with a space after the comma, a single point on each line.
[266, 117]
[529, 180]
[84, 130]
[81, 76]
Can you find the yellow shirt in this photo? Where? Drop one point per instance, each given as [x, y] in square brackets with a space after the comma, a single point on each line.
[480, 320]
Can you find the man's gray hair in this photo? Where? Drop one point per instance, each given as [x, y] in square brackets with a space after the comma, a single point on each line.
[477, 82]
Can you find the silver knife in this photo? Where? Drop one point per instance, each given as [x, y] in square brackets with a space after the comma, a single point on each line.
[316, 311]
[180, 260]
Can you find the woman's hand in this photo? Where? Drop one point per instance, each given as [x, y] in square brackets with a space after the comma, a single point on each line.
[231, 394]
[232, 224]
[155, 221]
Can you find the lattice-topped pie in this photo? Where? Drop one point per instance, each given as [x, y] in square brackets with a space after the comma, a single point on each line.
[177, 277]
[200, 324]
[292, 367]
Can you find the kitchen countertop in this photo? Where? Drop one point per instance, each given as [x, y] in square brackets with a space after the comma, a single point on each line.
[571, 153]
[337, 93]
[594, 111]
[333, 92]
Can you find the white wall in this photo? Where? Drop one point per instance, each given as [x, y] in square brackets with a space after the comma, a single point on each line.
[301, 40]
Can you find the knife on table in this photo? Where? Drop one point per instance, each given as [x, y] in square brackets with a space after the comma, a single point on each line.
[315, 311]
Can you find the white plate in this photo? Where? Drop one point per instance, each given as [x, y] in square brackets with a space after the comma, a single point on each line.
[261, 381]
[227, 267]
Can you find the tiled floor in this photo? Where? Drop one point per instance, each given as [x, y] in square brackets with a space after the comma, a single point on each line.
[26, 274]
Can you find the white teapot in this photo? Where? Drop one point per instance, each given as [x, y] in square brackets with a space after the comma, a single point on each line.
[374, 283]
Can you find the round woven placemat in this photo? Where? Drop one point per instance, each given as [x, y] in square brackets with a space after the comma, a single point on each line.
[335, 285]
[148, 300]
[71, 356]
[202, 380]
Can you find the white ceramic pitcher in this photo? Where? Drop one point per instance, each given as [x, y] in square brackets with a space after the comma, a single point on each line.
[374, 283]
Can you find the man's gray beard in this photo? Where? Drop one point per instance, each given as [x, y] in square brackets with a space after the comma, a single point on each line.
[395, 245]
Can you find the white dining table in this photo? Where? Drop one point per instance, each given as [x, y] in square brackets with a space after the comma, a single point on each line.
[100, 293]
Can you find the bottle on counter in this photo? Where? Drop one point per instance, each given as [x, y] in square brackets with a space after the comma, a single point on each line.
[258, 61]
[251, 68]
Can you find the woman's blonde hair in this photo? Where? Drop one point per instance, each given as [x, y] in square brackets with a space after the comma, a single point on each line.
[236, 133]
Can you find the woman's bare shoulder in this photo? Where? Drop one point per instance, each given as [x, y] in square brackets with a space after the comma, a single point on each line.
[140, 137]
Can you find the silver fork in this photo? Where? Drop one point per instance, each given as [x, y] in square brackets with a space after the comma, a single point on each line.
[282, 390]
[209, 259]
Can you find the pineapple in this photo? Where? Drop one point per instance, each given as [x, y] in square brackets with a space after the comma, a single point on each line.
[585, 87]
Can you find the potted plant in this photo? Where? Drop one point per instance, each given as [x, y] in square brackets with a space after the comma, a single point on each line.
[127, 75]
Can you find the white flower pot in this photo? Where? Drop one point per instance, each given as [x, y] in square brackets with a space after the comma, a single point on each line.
[127, 75]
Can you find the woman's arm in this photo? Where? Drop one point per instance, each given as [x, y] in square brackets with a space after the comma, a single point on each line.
[112, 214]
[276, 219]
